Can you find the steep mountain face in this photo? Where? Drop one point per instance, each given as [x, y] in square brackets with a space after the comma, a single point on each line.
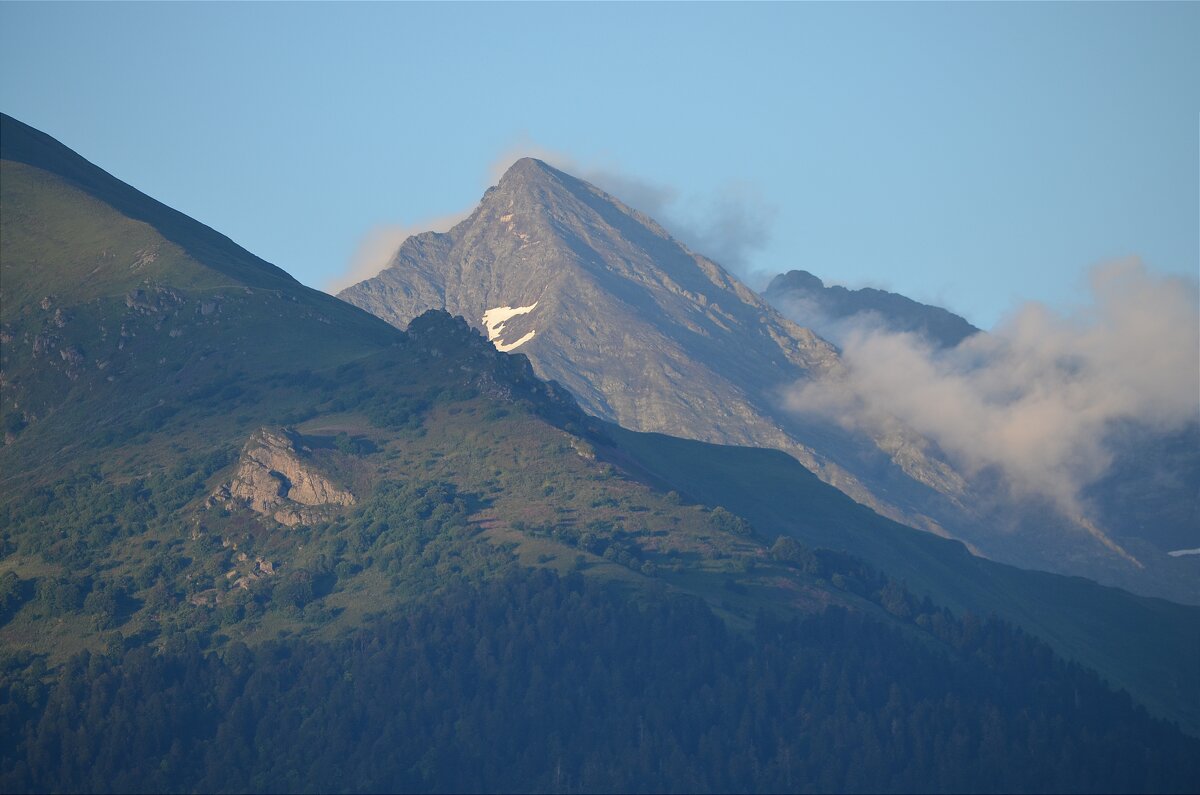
[804, 298]
[652, 336]
[604, 302]
[1150, 498]
[641, 330]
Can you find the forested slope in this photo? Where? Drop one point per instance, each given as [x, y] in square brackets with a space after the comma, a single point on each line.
[535, 683]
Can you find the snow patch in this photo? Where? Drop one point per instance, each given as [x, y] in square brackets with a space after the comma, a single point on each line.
[494, 319]
[1179, 553]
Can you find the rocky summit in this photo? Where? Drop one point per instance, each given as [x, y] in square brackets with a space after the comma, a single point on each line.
[651, 335]
[643, 331]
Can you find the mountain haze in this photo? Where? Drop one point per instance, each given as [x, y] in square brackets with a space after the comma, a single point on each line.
[1145, 490]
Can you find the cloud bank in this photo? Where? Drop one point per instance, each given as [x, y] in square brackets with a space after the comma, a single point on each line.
[1034, 398]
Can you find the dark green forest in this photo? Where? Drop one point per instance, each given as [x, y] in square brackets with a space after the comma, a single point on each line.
[536, 682]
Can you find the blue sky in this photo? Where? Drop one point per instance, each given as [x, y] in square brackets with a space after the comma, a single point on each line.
[972, 155]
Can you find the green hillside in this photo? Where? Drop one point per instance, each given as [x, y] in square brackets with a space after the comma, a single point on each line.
[23, 145]
[534, 683]
[135, 371]
[1150, 646]
[237, 515]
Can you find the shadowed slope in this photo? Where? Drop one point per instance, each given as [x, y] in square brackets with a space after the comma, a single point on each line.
[1149, 646]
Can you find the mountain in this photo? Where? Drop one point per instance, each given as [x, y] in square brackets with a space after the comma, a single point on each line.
[585, 287]
[1149, 500]
[804, 298]
[201, 451]
[107, 292]
[657, 338]
[641, 330]
[1079, 618]
[254, 538]
[1150, 497]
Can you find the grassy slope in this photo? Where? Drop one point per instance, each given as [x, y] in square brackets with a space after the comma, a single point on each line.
[20, 143]
[1149, 646]
[520, 476]
[182, 355]
[108, 317]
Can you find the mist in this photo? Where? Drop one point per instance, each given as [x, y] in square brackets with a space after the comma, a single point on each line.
[379, 244]
[729, 227]
[1033, 398]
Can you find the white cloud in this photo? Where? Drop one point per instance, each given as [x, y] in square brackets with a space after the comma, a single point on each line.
[379, 245]
[1034, 398]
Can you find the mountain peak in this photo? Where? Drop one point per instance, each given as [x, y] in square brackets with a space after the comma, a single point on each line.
[528, 165]
[807, 300]
[530, 171]
[796, 280]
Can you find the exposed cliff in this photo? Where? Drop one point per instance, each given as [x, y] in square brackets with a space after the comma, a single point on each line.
[276, 477]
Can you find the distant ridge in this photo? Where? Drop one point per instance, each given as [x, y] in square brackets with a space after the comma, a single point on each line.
[806, 299]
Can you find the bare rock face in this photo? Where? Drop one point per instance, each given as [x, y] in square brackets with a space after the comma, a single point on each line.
[646, 333]
[641, 330]
[277, 478]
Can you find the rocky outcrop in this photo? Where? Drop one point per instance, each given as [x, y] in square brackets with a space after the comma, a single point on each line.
[276, 477]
